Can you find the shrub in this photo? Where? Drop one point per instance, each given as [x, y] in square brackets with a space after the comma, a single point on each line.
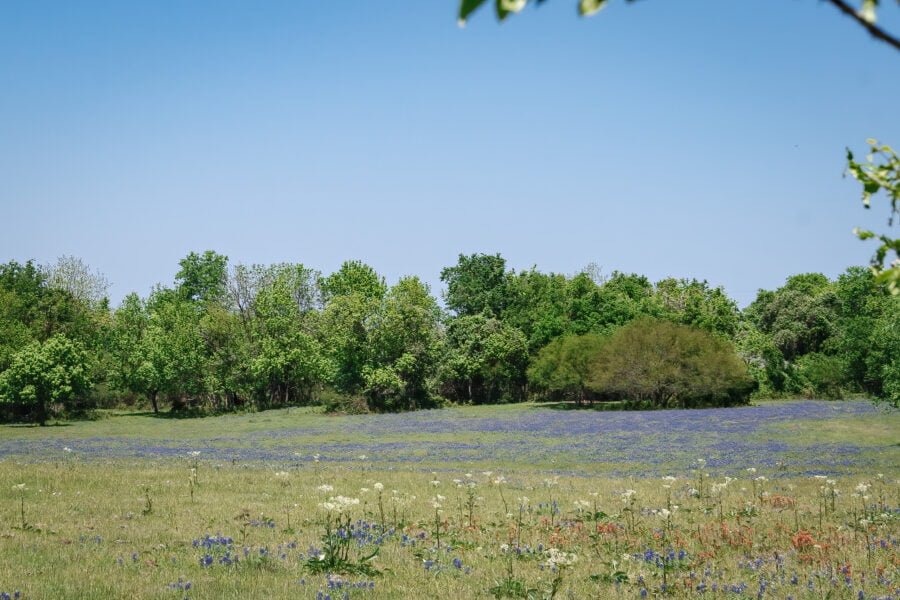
[670, 365]
[821, 376]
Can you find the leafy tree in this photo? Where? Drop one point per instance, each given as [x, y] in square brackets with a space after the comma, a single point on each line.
[620, 300]
[353, 296]
[290, 363]
[32, 310]
[227, 380]
[405, 339]
[670, 365]
[693, 302]
[44, 373]
[485, 360]
[764, 360]
[174, 349]
[537, 306]
[353, 278]
[131, 370]
[477, 284]
[883, 359]
[72, 275]
[564, 367]
[202, 277]
[800, 316]
[821, 376]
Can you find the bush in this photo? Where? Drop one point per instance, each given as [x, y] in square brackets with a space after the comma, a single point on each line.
[670, 365]
[821, 376]
[344, 404]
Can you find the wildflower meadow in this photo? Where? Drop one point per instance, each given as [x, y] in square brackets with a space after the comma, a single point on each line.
[780, 500]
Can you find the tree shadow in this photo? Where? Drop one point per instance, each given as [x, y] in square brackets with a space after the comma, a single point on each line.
[165, 414]
[597, 406]
[36, 425]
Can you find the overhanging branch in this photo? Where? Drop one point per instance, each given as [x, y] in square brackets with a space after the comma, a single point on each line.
[876, 32]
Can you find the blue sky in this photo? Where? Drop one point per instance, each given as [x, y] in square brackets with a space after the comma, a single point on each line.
[694, 138]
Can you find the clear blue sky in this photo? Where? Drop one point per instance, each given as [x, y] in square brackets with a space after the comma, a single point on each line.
[689, 138]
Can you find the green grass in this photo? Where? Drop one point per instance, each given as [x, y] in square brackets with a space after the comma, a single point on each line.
[88, 532]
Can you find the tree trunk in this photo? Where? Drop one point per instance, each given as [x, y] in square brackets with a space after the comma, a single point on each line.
[41, 413]
[153, 402]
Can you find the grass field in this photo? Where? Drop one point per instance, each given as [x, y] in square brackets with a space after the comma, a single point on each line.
[792, 500]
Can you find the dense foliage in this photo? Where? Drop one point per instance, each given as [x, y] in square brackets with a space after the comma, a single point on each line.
[257, 336]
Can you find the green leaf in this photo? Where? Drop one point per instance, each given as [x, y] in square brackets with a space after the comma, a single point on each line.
[589, 7]
[466, 8]
[505, 7]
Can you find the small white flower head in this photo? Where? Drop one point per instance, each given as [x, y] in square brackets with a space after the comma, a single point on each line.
[339, 504]
[67, 449]
[665, 513]
[194, 453]
[487, 473]
[19, 487]
[558, 558]
[862, 488]
[362, 457]
[761, 478]
[669, 479]
[504, 548]
[378, 486]
[364, 490]
[582, 505]
[751, 470]
[325, 488]
[499, 480]
[435, 483]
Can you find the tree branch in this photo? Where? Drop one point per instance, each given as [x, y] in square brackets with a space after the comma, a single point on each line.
[877, 32]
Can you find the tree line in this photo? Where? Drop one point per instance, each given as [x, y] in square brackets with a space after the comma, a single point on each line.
[223, 337]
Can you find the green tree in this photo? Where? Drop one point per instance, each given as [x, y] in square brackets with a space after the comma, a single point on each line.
[202, 277]
[537, 306]
[353, 278]
[72, 275]
[174, 349]
[564, 367]
[131, 370]
[668, 365]
[800, 316]
[404, 336]
[290, 364]
[45, 373]
[485, 360]
[693, 302]
[764, 360]
[353, 296]
[477, 284]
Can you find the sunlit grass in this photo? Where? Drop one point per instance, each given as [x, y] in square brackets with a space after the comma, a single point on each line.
[101, 526]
